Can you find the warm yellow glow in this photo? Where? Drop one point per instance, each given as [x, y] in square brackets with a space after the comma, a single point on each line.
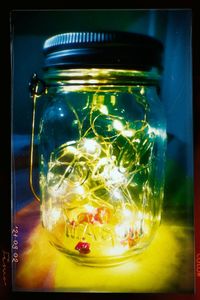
[121, 230]
[118, 125]
[51, 218]
[117, 194]
[103, 109]
[142, 91]
[137, 225]
[77, 81]
[79, 190]
[164, 256]
[92, 81]
[129, 132]
[91, 146]
[89, 208]
[77, 73]
[113, 175]
[67, 89]
[55, 214]
[113, 100]
[72, 150]
[127, 213]
[136, 141]
[107, 170]
[117, 250]
[93, 180]
[140, 215]
[58, 189]
[93, 72]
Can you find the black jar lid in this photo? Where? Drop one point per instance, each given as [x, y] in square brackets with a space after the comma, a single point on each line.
[117, 50]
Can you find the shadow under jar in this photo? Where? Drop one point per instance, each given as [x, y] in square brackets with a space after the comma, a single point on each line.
[102, 145]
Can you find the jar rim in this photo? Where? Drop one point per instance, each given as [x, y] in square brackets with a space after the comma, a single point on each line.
[100, 76]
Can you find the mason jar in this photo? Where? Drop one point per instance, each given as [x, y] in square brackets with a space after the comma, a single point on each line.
[102, 142]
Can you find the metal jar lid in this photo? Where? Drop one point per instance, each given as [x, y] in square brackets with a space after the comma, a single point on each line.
[117, 50]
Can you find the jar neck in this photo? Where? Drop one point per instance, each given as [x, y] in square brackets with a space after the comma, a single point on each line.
[62, 77]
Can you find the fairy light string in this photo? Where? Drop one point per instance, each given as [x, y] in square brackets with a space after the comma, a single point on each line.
[93, 179]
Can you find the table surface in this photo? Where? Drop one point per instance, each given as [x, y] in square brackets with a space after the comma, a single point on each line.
[167, 265]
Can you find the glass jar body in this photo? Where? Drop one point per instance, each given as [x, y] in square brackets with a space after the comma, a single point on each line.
[102, 153]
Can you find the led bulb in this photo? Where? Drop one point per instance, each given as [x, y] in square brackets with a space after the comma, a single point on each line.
[89, 208]
[55, 214]
[117, 194]
[122, 230]
[103, 109]
[128, 132]
[90, 146]
[79, 190]
[73, 150]
[118, 125]
[127, 213]
[113, 175]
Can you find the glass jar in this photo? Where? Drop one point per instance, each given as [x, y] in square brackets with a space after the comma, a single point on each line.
[102, 145]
